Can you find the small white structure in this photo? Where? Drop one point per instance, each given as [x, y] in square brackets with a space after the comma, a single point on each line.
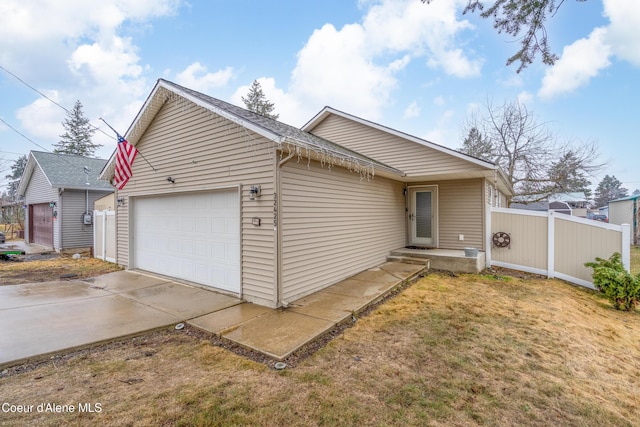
[626, 210]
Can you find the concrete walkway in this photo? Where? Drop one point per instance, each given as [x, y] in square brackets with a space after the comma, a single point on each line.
[43, 318]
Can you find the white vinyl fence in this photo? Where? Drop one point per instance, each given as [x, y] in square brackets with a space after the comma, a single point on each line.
[104, 235]
[553, 244]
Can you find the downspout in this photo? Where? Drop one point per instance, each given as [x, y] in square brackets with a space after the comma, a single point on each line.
[278, 229]
[634, 232]
[58, 223]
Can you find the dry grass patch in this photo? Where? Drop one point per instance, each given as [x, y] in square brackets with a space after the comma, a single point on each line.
[17, 272]
[635, 260]
[454, 351]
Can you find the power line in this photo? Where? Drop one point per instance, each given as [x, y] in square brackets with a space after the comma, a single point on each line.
[35, 143]
[21, 134]
[49, 99]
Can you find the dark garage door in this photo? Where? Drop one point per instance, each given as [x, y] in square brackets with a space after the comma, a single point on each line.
[41, 224]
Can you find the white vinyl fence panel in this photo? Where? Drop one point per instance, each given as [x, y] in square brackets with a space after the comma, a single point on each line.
[104, 235]
[554, 244]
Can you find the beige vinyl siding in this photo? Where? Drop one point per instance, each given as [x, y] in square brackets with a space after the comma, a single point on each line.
[460, 211]
[122, 230]
[335, 225]
[203, 151]
[104, 203]
[410, 157]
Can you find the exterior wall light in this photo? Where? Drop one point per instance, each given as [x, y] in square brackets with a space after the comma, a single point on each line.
[254, 192]
[120, 201]
[171, 180]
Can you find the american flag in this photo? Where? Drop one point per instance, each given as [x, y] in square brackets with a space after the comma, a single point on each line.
[125, 155]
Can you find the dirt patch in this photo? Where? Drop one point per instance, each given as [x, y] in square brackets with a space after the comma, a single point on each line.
[50, 267]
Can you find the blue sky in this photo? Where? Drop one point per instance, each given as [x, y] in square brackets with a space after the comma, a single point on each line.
[421, 69]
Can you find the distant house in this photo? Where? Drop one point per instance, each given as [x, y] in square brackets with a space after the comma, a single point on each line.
[575, 204]
[59, 192]
[626, 210]
[272, 213]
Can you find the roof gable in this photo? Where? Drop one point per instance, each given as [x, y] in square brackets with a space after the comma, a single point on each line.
[278, 132]
[64, 171]
[328, 111]
[420, 159]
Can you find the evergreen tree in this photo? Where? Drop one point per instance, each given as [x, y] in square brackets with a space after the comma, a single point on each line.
[258, 103]
[77, 136]
[14, 177]
[567, 175]
[476, 145]
[609, 189]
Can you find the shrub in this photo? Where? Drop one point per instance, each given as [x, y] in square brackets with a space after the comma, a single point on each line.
[618, 285]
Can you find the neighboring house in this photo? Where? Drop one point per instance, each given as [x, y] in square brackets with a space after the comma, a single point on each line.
[58, 192]
[227, 198]
[575, 204]
[626, 210]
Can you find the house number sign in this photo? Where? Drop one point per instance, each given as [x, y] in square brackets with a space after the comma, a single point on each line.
[275, 210]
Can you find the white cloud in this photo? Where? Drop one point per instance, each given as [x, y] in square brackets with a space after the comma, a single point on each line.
[412, 111]
[337, 67]
[197, 77]
[79, 45]
[443, 133]
[43, 119]
[97, 61]
[355, 68]
[624, 31]
[586, 58]
[439, 100]
[580, 61]
[525, 97]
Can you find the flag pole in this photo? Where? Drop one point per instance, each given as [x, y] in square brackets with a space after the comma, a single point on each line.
[139, 153]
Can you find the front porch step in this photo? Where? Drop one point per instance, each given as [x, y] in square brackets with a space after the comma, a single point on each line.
[410, 260]
[453, 261]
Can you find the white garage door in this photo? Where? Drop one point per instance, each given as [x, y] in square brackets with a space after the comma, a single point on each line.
[191, 236]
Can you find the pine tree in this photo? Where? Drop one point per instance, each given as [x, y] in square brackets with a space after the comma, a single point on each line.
[77, 136]
[610, 188]
[567, 175]
[16, 173]
[476, 145]
[258, 103]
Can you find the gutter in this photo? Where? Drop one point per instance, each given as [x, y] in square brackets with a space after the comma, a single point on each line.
[278, 229]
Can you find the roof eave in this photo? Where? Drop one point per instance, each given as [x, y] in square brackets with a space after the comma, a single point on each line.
[138, 126]
[326, 111]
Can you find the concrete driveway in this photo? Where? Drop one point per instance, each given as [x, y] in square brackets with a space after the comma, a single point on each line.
[43, 318]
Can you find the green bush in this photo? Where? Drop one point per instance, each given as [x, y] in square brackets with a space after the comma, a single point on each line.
[618, 285]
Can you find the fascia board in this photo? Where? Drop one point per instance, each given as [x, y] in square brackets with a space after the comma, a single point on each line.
[223, 113]
[326, 111]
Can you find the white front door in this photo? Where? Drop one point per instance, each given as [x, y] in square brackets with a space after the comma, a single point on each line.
[423, 216]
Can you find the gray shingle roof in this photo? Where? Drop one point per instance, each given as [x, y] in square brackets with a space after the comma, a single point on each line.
[68, 171]
[283, 130]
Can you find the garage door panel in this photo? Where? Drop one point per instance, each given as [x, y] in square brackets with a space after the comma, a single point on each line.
[191, 236]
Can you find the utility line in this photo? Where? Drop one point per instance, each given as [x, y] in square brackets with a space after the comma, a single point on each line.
[21, 134]
[49, 99]
[35, 143]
